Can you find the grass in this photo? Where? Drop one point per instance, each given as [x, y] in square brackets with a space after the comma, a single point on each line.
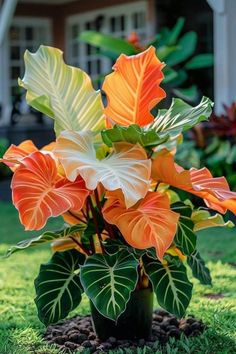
[20, 329]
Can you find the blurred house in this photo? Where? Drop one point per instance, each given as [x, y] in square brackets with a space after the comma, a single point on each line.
[58, 23]
[25, 24]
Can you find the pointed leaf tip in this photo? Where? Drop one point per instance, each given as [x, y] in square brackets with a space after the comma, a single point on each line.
[133, 88]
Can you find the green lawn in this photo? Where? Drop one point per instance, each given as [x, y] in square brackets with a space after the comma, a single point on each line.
[20, 330]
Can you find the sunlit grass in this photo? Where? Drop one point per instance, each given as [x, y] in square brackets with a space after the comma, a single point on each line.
[20, 329]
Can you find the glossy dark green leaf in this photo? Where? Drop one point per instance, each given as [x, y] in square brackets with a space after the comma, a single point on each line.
[107, 43]
[185, 237]
[180, 78]
[108, 281]
[132, 134]
[171, 285]
[186, 48]
[189, 94]
[200, 61]
[164, 51]
[58, 287]
[169, 74]
[199, 269]
[175, 31]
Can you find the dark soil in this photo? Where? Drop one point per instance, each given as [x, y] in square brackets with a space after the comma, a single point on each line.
[77, 334]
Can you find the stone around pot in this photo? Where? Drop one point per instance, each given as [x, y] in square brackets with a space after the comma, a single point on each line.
[134, 323]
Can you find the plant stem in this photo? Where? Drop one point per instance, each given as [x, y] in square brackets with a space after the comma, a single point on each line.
[90, 203]
[108, 227]
[80, 245]
[84, 215]
[155, 189]
[77, 217]
[150, 154]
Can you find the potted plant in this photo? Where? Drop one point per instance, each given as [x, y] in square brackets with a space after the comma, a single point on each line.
[111, 175]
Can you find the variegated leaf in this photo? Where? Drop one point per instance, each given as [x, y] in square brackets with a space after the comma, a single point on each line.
[171, 285]
[199, 269]
[47, 237]
[203, 219]
[181, 116]
[58, 287]
[185, 237]
[108, 280]
[127, 168]
[62, 92]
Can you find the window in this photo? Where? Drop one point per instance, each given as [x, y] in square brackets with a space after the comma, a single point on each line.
[25, 33]
[119, 21]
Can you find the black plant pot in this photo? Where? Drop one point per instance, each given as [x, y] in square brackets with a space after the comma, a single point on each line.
[134, 323]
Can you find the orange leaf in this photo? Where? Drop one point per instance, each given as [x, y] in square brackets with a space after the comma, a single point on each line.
[15, 154]
[39, 192]
[133, 89]
[149, 223]
[214, 191]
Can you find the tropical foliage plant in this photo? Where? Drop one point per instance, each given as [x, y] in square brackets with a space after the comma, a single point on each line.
[213, 144]
[177, 50]
[111, 174]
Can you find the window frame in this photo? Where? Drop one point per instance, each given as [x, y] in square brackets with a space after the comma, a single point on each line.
[108, 12]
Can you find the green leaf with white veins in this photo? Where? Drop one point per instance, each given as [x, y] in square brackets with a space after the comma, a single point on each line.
[185, 237]
[58, 287]
[46, 237]
[171, 285]
[199, 269]
[62, 92]
[108, 281]
[181, 116]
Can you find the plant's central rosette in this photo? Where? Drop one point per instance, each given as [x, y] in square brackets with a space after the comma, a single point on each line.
[110, 174]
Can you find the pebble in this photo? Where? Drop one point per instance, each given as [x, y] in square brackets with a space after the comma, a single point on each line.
[71, 345]
[77, 335]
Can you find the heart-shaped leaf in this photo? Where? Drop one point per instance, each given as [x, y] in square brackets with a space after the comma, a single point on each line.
[47, 237]
[185, 237]
[127, 168]
[58, 287]
[62, 92]
[108, 281]
[199, 269]
[133, 89]
[15, 154]
[149, 223]
[171, 285]
[39, 192]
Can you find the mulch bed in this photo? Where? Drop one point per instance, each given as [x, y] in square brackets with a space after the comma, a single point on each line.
[77, 334]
